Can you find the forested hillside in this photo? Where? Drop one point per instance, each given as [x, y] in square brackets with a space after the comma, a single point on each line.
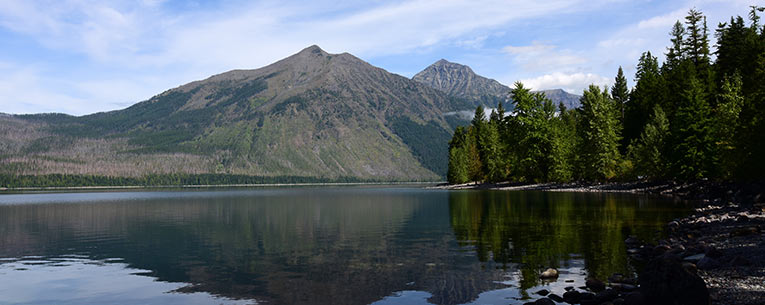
[688, 118]
[315, 115]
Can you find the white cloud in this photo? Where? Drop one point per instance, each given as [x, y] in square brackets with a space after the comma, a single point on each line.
[663, 22]
[541, 57]
[473, 43]
[536, 48]
[573, 83]
[19, 93]
[146, 48]
[141, 40]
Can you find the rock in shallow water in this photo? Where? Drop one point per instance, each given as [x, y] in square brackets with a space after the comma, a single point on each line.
[665, 281]
[595, 285]
[555, 298]
[550, 273]
[544, 301]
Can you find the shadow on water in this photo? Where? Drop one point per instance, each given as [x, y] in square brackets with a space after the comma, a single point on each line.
[327, 245]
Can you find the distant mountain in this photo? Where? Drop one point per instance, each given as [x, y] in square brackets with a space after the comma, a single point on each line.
[561, 96]
[312, 114]
[460, 81]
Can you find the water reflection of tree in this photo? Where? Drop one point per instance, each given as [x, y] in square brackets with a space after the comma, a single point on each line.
[540, 230]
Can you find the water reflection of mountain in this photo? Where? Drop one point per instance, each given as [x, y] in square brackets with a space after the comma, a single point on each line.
[538, 230]
[324, 246]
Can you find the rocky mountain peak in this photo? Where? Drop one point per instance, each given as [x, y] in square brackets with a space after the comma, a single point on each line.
[460, 80]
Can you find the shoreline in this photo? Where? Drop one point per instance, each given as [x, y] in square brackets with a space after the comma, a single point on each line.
[192, 186]
[722, 243]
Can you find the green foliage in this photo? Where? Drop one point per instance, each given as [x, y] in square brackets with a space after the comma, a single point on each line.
[729, 103]
[687, 119]
[620, 93]
[600, 133]
[457, 172]
[648, 152]
[649, 90]
[64, 180]
[693, 141]
[427, 142]
[696, 44]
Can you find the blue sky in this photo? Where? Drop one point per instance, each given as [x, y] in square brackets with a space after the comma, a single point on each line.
[82, 56]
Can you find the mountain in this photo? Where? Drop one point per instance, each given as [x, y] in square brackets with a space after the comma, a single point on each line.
[312, 114]
[561, 96]
[460, 81]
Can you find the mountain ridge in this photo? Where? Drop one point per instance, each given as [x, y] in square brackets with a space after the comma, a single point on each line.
[310, 114]
[461, 81]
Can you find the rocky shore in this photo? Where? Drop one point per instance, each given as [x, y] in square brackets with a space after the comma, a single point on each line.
[714, 256]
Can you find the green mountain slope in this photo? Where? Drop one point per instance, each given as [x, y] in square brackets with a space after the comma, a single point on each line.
[312, 114]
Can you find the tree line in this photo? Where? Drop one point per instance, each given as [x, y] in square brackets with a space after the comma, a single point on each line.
[688, 118]
[67, 180]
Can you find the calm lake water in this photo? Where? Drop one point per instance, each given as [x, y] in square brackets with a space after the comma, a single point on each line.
[330, 245]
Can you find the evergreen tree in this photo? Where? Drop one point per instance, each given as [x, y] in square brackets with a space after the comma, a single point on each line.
[564, 145]
[696, 45]
[458, 157]
[692, 132]
[675, 53]
[649, 151]
[600, 135]
[620, 93]
[532, 134]
[729, 103]
[494, 166]
[475, 164]
[649, 90]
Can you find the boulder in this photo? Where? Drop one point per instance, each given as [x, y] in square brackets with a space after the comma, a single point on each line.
[595, 285]
[555, 298]
[606, 295]
[707, 263]
[634, 298]
[693, 258]
[543, 292]
[740, 261]
[550, 273]
[544, 301]
[665, 281]
[572, 296]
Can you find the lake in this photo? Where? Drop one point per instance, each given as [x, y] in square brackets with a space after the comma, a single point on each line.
[314, 245]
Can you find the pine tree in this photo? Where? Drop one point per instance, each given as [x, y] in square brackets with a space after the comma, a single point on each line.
[458, 157]
[600, 135]
[531, 127]
[696, 45]
[620, 93]
[693, 143]
[648, 153]
[649, 90]
[729, 103]
[475, 164]
[675, 53]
